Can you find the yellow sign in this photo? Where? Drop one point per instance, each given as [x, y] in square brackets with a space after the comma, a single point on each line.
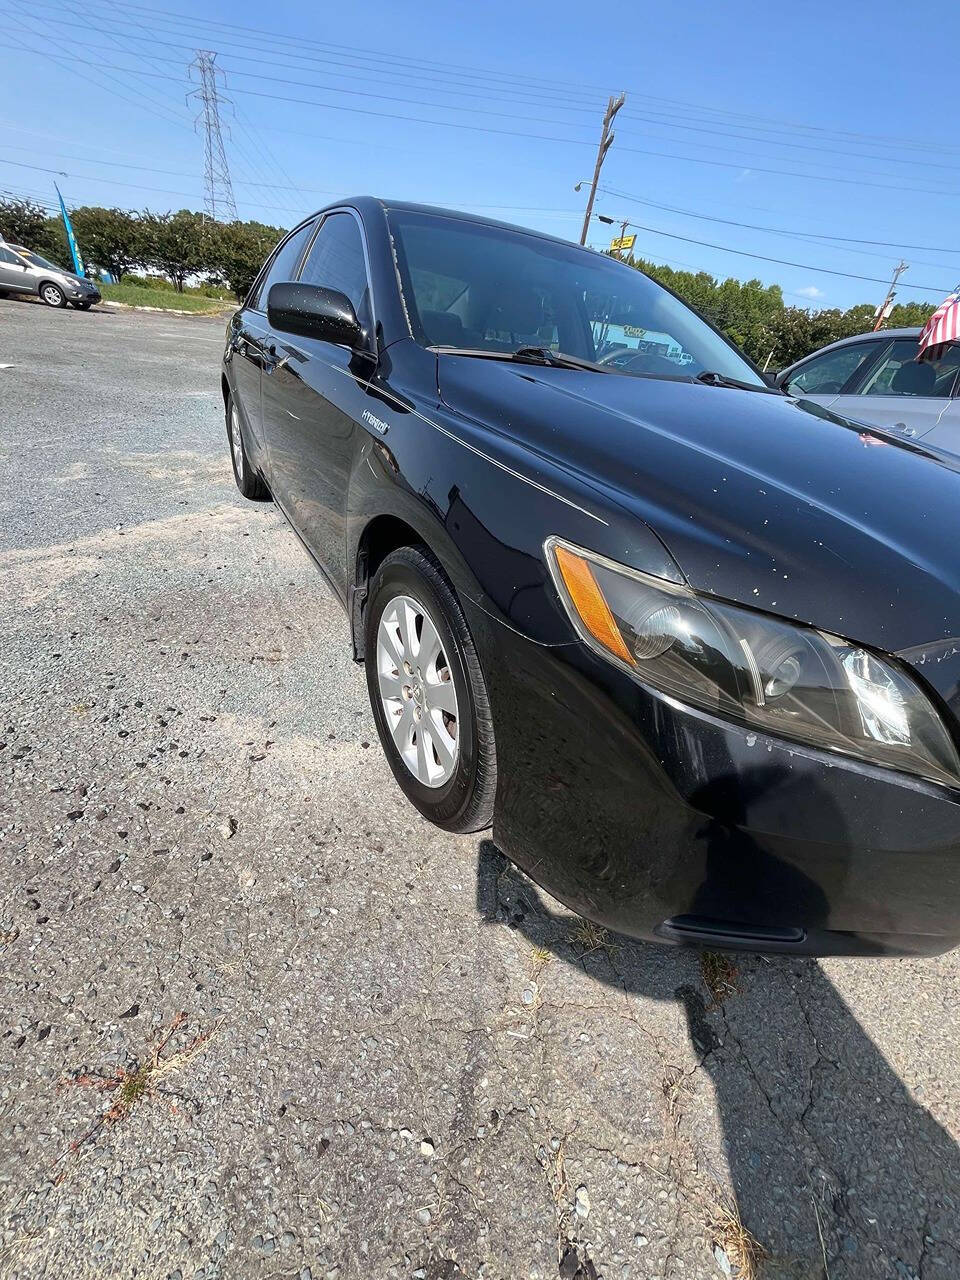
[621, 243]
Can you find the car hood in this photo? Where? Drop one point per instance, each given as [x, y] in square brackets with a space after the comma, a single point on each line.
[774, 503]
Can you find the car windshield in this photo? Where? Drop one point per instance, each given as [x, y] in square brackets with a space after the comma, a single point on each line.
[37, 261]
[473, 286]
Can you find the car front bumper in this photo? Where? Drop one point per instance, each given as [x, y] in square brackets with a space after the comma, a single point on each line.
[662, 822]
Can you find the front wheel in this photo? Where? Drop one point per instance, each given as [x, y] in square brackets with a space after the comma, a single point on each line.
[52, 295]
[249, 482]
[428, 694]
[83, 306]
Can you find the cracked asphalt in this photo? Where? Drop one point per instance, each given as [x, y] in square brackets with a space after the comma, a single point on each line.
[397, 1057]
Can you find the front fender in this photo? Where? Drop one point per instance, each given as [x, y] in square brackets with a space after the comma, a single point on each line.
[484, 505]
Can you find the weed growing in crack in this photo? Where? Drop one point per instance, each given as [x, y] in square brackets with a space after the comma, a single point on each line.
[720, 973]
[592, 937]
[674, 1085]
[744, 1251]
[129, 1086]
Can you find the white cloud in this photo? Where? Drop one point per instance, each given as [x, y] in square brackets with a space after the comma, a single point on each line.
[810, 291]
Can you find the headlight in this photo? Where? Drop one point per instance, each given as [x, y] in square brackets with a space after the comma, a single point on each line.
[780, 678]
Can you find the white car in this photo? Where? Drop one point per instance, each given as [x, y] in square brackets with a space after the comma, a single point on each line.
[876, 378]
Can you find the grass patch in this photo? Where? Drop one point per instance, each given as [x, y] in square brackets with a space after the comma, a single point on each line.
[139, 295]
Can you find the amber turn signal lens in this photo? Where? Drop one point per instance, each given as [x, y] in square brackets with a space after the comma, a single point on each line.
[589, 603]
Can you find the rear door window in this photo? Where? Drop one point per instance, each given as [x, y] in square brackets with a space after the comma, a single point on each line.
[899, 373]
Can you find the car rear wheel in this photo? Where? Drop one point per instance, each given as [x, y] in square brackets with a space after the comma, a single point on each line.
[249, 481]
[428, 694]
[52, 294]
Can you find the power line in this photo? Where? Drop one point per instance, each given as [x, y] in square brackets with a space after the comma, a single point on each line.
[556, 100]
[857, 177]
[162, 109]
[672, 122]
[863, 177]
[566, 88]
[85, 177]
[784, 262]
[148, 37]
[746, 163]
[72, 70]
[779, 231]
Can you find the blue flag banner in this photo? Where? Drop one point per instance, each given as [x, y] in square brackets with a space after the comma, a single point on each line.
[71, 238]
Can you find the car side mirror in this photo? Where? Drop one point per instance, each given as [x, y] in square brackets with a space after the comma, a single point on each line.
[313, 311]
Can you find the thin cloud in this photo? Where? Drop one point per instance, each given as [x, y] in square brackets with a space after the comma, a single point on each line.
[810, 291]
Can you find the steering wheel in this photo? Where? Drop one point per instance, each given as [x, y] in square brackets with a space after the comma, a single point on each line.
[641, 362]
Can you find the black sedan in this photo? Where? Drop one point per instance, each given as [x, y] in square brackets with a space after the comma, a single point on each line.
[690, 646]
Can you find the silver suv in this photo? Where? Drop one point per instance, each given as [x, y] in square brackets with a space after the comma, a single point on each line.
[22, 271]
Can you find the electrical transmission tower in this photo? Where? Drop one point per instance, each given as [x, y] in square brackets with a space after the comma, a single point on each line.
[218, 189]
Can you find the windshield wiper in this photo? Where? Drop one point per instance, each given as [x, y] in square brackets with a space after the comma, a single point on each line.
[558, 359]
[528, 355]
[713, 379]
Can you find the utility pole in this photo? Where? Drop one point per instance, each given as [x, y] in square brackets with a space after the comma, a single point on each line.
[218, 188]
[606, 141]
[884, 308]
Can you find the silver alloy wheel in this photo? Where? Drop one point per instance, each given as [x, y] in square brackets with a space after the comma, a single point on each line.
[236, 441]
[416, 688]
[52, 295]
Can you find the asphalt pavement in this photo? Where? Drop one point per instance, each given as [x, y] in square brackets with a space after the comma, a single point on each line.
[260, 1019]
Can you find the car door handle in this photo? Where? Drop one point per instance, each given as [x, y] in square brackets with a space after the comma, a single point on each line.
[272, 359]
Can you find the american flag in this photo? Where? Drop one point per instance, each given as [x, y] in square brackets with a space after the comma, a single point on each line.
[942, 327]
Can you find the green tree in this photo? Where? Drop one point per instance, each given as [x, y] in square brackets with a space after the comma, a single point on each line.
[52, 243]
[238, 250]
[905, 315]
[111, 238]
[745, 310]
[179, 244]
[755, 317]
[22, 221]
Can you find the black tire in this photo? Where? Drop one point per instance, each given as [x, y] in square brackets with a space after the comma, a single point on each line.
[465, 802]
[249, 482]
[52, 294]
[83, 306]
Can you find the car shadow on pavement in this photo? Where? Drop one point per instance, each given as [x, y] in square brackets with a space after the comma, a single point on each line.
[836, 1169]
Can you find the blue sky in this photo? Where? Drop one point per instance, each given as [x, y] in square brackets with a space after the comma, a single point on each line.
[812, 121]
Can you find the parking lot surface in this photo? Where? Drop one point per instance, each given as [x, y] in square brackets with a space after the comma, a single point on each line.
[260, 1019]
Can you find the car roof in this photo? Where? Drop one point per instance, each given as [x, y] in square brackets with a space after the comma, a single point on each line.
[407, 206]
[881, 335]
